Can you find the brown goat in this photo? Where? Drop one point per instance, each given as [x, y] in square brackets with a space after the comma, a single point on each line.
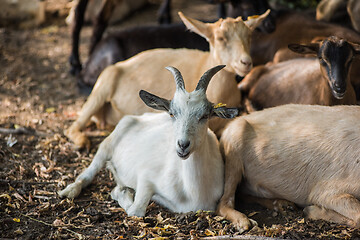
[323, 81]
[306, 154]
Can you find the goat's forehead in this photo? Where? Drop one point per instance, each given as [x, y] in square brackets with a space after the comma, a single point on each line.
[335, 45]
[232, 27]
[195, 101]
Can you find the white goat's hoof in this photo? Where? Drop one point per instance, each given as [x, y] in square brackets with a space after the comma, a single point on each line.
[71, 191]
[125, 197]
[133, 211]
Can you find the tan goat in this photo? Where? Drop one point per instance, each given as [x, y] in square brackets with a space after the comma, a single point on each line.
[324, 80]
[306, 154]
[115, 92]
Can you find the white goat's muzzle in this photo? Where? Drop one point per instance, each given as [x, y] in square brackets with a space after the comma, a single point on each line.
[183, 149]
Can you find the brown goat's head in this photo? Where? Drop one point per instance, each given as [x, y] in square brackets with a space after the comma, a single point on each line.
[335, 56]
[229, 40]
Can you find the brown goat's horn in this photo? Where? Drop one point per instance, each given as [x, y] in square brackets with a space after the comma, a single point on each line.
[206, 77]
[180, 85]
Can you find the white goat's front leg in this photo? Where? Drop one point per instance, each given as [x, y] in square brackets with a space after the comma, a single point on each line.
[343, 204]
[124, 196]
[86, 177]
[143, 195]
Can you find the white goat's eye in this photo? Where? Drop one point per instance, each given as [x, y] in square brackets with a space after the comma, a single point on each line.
[171, 115]
[204, 117]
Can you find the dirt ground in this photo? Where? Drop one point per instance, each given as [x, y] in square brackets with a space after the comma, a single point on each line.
[39, 98]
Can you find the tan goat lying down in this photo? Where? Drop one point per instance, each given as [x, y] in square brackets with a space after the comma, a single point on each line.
[306, 154]
[115, 92]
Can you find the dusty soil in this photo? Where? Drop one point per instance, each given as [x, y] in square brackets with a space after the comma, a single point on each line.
[40, 99]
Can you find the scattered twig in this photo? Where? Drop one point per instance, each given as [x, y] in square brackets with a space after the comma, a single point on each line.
[240, 237]
[2, 181]
[78, 235]
[22, 130]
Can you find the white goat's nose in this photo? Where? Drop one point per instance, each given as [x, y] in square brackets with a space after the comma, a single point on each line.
[183, 144]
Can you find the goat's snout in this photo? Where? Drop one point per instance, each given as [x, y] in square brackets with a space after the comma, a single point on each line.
[183, 145]
[340, 85]
[243, 65]
[246, 62]
[183, 149]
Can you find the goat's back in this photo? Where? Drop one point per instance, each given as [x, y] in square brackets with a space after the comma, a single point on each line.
[297, 152]
[292, 81]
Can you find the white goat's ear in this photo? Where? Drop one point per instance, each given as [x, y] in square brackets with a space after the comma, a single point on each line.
[224, 112]
[153, 101]
[312, 48]
[254, 21]
[203, 29]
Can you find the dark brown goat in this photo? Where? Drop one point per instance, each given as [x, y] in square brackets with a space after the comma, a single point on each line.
[294, 27]
[322, 81]
[340, 12]
[100, 24]
[126, 43]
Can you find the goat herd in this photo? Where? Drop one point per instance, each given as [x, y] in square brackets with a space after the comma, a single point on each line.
[297, 148]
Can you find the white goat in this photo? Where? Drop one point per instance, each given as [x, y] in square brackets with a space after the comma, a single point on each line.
[114, 93]
[147, 153]
[305, 154]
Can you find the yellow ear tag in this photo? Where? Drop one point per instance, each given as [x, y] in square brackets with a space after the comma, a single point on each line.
[220, 105]
[253, 17]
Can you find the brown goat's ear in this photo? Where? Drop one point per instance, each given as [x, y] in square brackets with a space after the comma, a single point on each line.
[203, 29]
[153, 101]
[356, 48]
[312, 48]
[254, 21]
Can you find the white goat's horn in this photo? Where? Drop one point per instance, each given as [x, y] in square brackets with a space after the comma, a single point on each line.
[206, 77]
[180, 85]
